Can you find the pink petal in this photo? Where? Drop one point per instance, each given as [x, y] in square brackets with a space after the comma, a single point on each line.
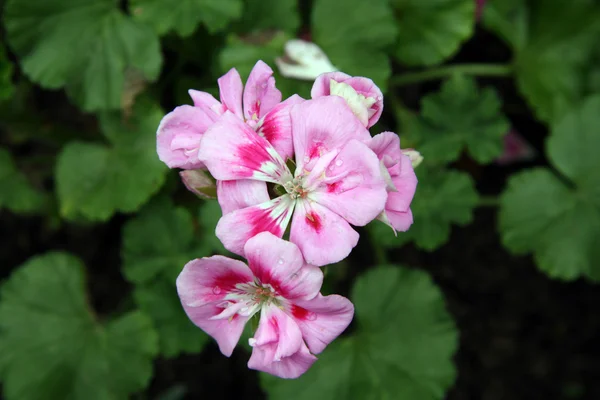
[322, 125]
[362, 85]
[276, 127]
[368, 88]
[399, 220]
[232, 150]
[202, 285]
[207, 280]
[277, 327]
[322, 83]
[234, 229]
[242, 193]
[280, 263]
[230, 90]
[225, 331]
[323, 236]
[352, 185]
[260, 94]
[206, 101]
[179, 134]
[386, 146]
[406, 185]
[288, 368]
[322, 319]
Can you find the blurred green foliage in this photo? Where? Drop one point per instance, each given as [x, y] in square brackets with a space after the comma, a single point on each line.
[92, 159]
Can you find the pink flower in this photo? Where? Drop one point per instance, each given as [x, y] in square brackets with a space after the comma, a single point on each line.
[220, 295]
[337, 181]
[400, 177]
[180, 131]
[362, 95]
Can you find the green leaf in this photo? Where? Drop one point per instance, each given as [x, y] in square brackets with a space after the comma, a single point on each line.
[443, 198]
[209, 215]
[354, 35]
[83, 44]
[242, 54]
[185, 17]
[96, 180]
[51, 346]
[558, 217]
[16, 193]
[460, 116]
[430, 31]
[162, 238]
[553, 43]
[177, 334]
[402, 349]
[266, 15]
[7, 88]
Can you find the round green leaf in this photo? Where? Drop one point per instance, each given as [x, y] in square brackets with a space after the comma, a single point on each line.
[430, 31]
[177, 334]
[270, 15]
[158, 240]
[402, 348]
[354, 35]
[7, 88]
[556, 219]
[460, 116]
[553, 43]
[97, 180]
[16, 193]
[83, 44]
[162, 238]
[573, 147]
[185, 17]
[540, 214]
[52, 347]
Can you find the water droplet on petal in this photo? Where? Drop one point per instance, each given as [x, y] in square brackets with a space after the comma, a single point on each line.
[339, 162]
[306, 159]
[311, 316]
[280, 261]
[217, 290]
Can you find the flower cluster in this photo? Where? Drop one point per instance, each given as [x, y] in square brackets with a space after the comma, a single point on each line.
[307, 167]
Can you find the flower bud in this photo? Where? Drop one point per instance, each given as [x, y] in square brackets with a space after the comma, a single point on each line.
[199, 182]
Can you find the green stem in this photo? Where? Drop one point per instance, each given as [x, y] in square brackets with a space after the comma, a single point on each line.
[488, 201]
[378, 250]
[380, 255]
[447, 70]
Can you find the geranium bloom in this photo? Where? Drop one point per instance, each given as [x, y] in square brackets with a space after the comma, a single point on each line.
[362, 95]
[337, 180]
[401, 179]
[220, 295]
[303, 60]
[259, 105]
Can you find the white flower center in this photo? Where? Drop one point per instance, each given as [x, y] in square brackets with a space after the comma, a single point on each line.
[247, 299]
[294, 187]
